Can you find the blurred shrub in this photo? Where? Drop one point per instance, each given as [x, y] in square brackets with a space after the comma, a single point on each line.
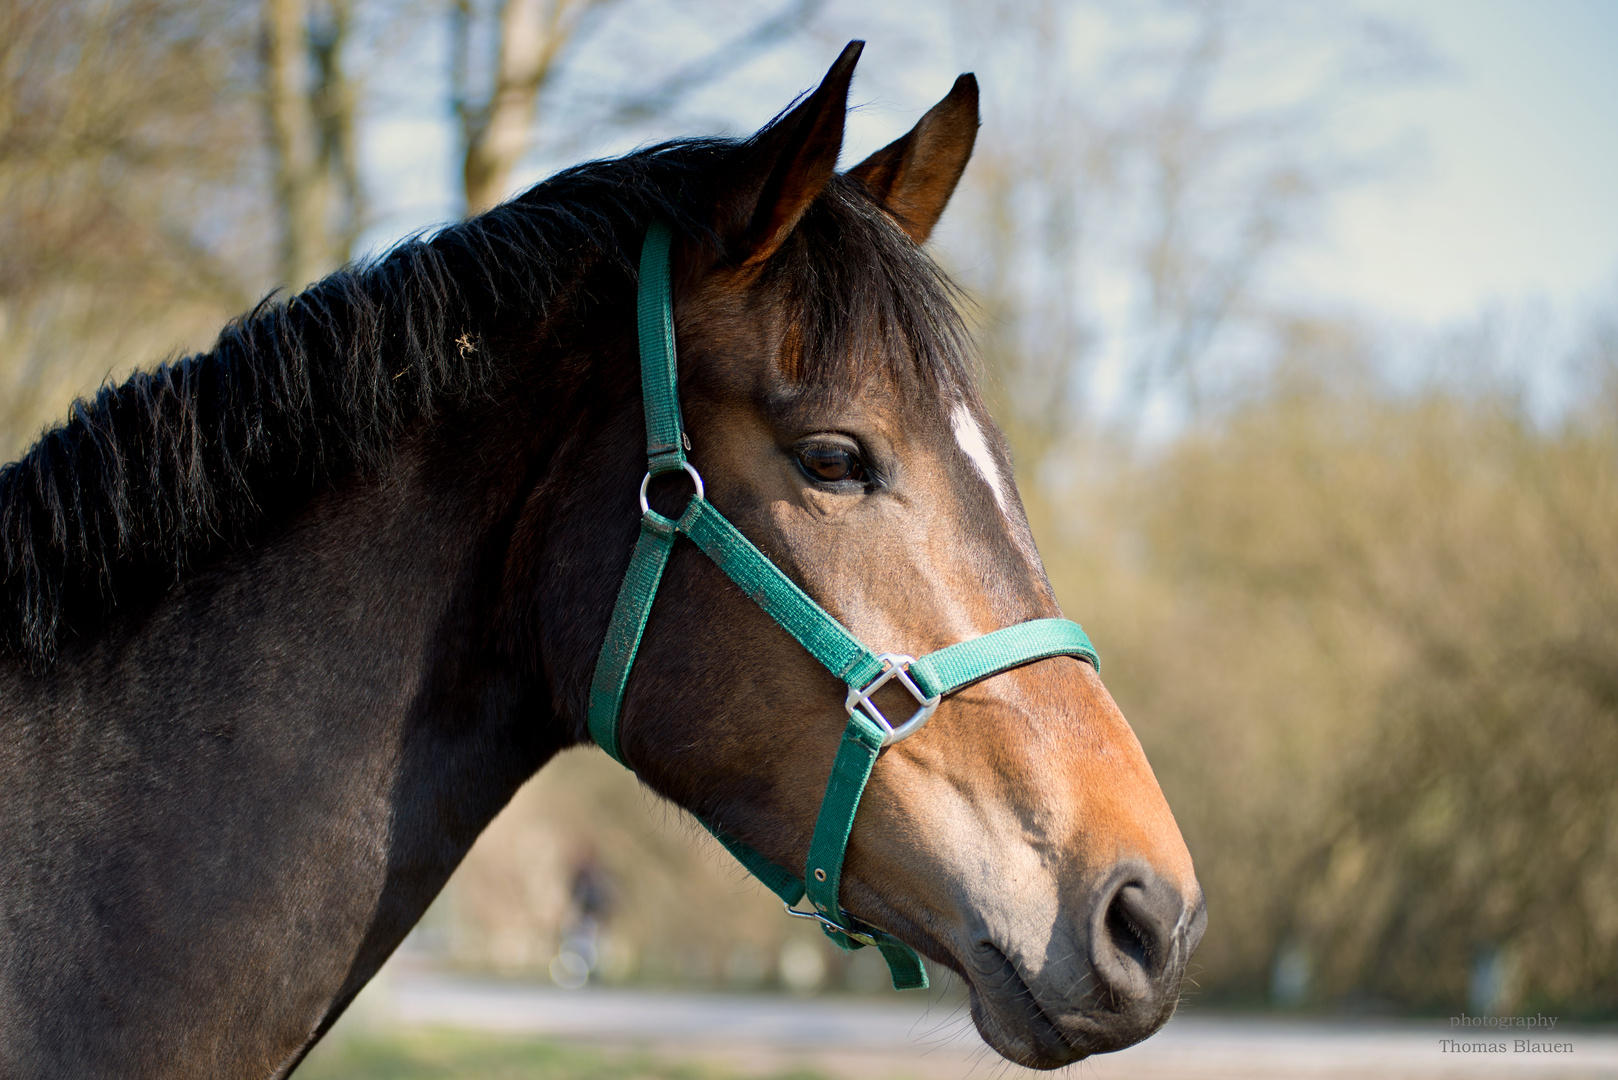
[1371, 647]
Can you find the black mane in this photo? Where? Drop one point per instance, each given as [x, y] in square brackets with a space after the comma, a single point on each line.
[195, 457]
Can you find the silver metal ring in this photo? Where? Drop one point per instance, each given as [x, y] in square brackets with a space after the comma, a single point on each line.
[696, 478]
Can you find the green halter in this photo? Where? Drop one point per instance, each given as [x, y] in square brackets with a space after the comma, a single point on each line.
[927, 679]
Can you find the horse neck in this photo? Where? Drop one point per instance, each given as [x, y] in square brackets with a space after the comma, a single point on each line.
[252, 791]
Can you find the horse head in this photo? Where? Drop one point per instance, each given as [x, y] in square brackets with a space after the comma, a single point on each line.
[1020, 838]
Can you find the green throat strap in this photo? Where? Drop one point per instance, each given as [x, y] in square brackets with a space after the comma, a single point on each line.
[928, 679]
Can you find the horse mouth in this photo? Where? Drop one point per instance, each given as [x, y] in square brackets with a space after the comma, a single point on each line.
[1015, 1023]
[1009, 1016]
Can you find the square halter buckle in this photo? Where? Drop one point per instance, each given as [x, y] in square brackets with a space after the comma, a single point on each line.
[894, 666]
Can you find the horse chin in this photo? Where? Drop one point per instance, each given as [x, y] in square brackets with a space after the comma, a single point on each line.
[1031, 1020]
[1010, 1019]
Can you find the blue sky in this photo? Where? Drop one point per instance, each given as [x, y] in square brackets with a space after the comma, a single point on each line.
[1511, 192]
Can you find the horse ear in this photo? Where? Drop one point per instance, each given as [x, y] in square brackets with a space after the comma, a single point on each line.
[915, 175]
[789, 164]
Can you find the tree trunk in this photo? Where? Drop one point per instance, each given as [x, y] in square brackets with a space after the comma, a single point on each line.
[531, 36]
[496, 136]
[310, 107]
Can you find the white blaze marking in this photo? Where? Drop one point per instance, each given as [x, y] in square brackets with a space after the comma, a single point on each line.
[970, 436]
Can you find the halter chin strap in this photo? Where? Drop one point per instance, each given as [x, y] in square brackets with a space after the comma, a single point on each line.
[927, 679]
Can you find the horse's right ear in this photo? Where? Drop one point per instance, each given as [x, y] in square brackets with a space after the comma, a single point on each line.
[785, 168]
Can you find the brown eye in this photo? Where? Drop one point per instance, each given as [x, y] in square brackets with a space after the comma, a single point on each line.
[830, 464]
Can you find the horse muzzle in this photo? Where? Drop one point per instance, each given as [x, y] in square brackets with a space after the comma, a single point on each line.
[1105, 976]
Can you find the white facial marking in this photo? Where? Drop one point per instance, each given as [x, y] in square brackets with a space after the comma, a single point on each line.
[976, 447]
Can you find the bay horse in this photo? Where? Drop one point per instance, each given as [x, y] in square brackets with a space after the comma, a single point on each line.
[284, 625]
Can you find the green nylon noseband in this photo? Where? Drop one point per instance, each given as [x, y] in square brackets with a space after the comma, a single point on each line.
[927, 679]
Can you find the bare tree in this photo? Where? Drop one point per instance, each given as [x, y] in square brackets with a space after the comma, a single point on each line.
[309, 104]
[1131, 198]
[530, 35]
[530, 43]
[127, 203]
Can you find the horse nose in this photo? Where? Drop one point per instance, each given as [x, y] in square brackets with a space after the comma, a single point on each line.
[1142, 932]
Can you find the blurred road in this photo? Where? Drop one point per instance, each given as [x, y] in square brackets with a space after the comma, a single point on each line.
[869, 1039]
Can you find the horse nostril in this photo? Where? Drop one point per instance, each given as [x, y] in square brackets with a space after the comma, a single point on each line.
[1133, 939]
[1130, 940]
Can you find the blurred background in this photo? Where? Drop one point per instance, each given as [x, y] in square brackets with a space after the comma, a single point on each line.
[1301, 318]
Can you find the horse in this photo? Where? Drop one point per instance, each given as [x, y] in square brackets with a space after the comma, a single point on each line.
[285, 624]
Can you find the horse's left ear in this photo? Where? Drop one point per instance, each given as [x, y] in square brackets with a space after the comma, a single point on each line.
[915, 175]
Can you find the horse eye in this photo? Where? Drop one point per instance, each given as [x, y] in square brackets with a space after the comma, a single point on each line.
[830, 464]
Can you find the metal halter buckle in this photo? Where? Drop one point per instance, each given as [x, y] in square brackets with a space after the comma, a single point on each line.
[696, 478]
[862, 938]
[895, 666]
